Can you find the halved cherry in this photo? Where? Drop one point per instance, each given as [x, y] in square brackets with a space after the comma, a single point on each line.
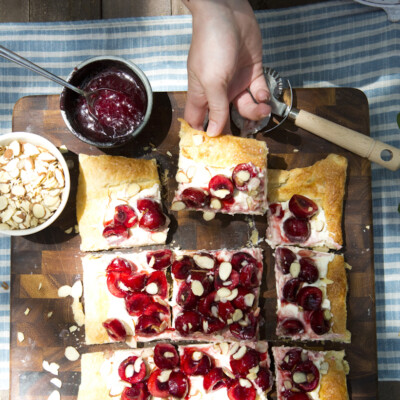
[147, 204]
[153, 218]
[188, 322]
[181, 268]
[310, 298]
[284, 259]
[204, 278]
[166, 356]
[292, 326]
[156, 309]
[149, 325]
[221, 187]
[204, 261]
[212, 324]
[245, 329]
[318, 323]
[225, 310]
[249, 276]
[230, 283]
[195, 198]
[297, 230]
[208, 305]
[291, 359]
[120, 264]
[196, 362]
[138, 391]
[185, 297]
[114, 229]
[311, 376]
[238, 392]
[125, 215]
[244, 299]
[242, 174]
[264, 379]
[160, 279]
[114, 284]
[241, 259]
[162, 258]
[158, 383]
[302, 206]
[290, 290]
[137, 302]
[115, 329]
[135, 282]
[132, 369]
[276, 210]
[308, 270]
[178, 384]
[227, 203]
[215, 379]
[249, 360]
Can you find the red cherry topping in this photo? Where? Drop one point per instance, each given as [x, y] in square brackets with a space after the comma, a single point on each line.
[181, 268]
[230, 283]
[208, 304]
[127, 370]
[291, 359]
[188, 322]
[135, 282]
[138, 391]
[137, 302]
[276, 210]
[196, 362]
[289, 395]
[212, 324]
[115, 230]
[155, 386]
[162, 258]
[220, 186]
[178, 384]
[125, 215]
[225, 310]
[156, 309]
[308, 270]
[185, 297]
[245, 332]
[292, 326]
[120, 264]
[242, 174]
[115, 329]
[239, 392]
[244, 299]
[166, 356]
[310, 298]
[290, 290]
[302, 207]
[296, 230]
[249, 360]
[318, 323]
[195, 198]
[204, 278]
[311, 375]
[241, 259]
[284, 259]
[264, 379]
[148, 325]
[113, 284]
[160, 279]
[152, 218]
[249, 276]
[215, 379]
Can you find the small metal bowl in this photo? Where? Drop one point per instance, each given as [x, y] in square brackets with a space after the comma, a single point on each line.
[82, 74]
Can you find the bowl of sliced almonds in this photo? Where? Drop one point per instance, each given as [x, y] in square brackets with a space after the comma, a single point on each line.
[34, 183]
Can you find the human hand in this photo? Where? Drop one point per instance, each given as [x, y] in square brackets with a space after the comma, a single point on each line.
[225, 60]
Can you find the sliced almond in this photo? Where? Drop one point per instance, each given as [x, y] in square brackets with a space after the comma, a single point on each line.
[253, 184]
[137, 366]
[7, 214]
[159, 237]
[228, 373]
[152, 288]
[197, 355]
[77, 289]
[234, 348]
[118, 387]
[197, 288]
[208, 215]
[71, 353]
[299, 377]
[243, 176]
[224, 348]
[223, 292]
[4, 227]
[221, 193]
[240, 353]
[4, 188]
[178, 206]
[129, 370]
[59, 177]
[245, 383]
[15, 147]
[168, 354]
[295, 269]
[204, 262]
[56, 382]
[38, 211]
[215, 204]
[64, 291]
[249, 299]
[237, 315]
[251, 376]
[54, 395]
[233, 295]
[225, 270]
[164, 375]
[20, 336]
[3, 203]
[181, 177]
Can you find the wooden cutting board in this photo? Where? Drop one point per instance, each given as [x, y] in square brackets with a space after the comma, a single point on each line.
[41, 263]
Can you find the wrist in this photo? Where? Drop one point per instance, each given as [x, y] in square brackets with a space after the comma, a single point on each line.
[197, 6]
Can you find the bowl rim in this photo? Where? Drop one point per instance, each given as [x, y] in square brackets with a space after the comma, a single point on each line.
[142, 76]
[39, 140]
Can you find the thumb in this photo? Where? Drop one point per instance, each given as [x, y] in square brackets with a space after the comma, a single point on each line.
[218, 105]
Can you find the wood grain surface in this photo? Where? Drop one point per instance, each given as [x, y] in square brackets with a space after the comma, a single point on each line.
[43, 262]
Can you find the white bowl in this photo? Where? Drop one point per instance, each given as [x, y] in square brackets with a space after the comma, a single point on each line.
[38, 140]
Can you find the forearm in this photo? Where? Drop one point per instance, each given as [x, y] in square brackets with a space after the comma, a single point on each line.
[197, 7]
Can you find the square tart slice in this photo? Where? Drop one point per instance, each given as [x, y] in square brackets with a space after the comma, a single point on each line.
[225, 174]
[126, 297]
[306, 374]
[306, 204]
[215, 294]
[119, 203]
[225, 370]
[311, 290]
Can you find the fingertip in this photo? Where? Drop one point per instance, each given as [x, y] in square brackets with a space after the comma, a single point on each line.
[262, 95]
[213, 129]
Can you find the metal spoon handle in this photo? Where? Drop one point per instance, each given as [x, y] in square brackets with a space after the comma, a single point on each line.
[9, 55]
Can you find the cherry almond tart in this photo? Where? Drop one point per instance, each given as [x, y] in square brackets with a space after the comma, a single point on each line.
[224, 174]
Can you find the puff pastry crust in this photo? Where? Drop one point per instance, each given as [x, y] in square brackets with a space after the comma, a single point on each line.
[202, 157]
[324, 183]
[103, 182]
[332, 282]
[332, 368]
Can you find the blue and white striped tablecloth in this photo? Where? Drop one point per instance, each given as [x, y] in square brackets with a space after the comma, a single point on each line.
[336, 43]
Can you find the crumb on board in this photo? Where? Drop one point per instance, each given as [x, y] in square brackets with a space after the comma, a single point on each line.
[69, 230]
[5, 285]
[26, 312]
[21, 337]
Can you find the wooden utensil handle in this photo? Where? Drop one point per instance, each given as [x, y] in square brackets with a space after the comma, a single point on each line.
[351, 140]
